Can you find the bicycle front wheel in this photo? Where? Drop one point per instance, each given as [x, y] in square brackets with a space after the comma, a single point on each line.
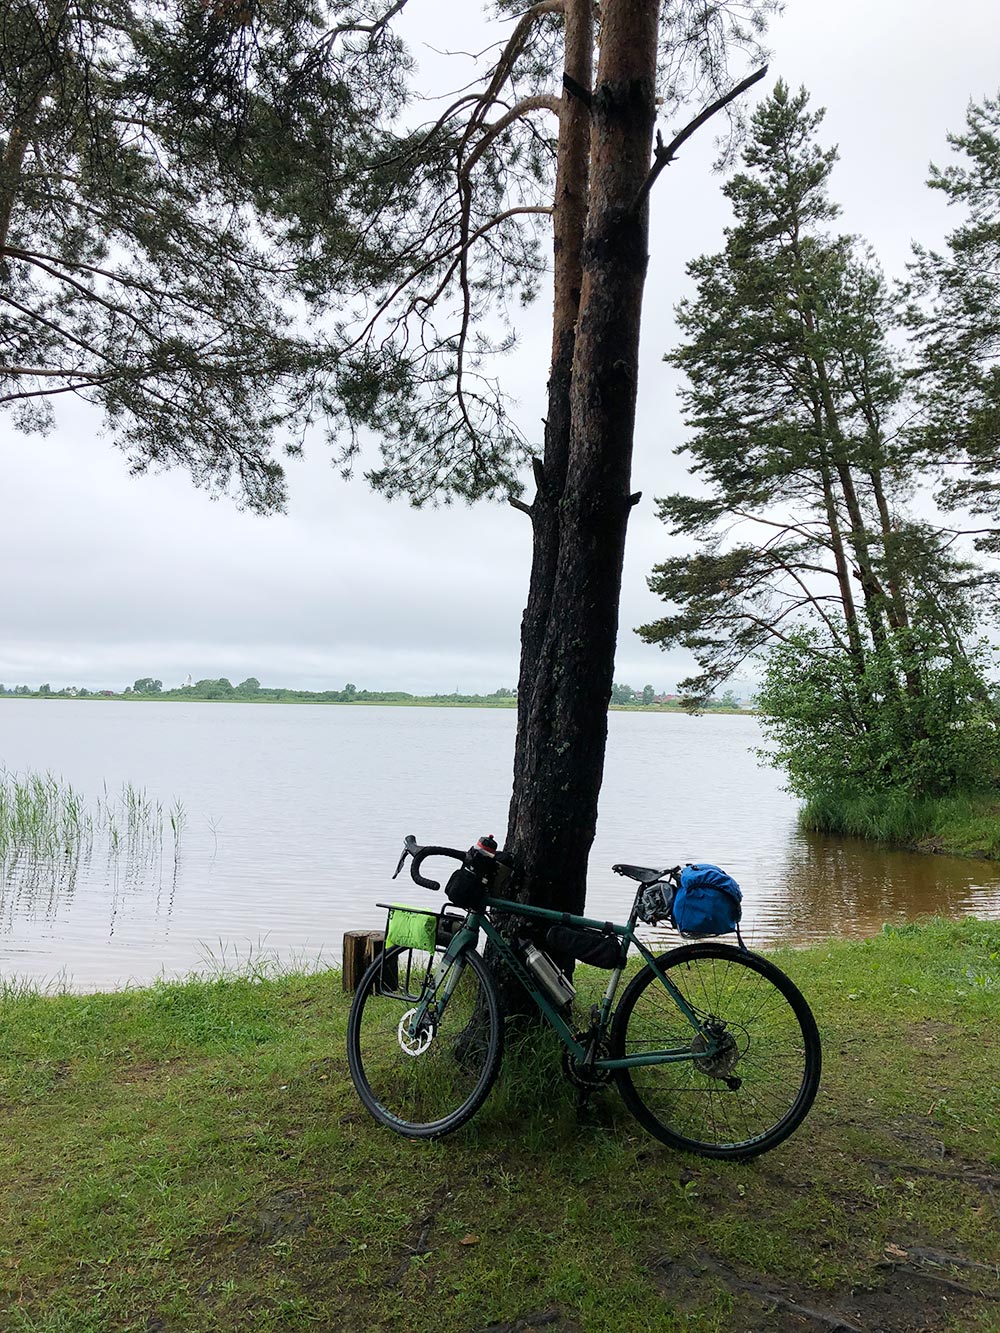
[761, 1069]
[425, 1083]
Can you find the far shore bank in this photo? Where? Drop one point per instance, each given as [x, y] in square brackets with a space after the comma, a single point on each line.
[303, 697]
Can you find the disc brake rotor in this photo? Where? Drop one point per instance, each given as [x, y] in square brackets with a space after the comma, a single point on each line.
[414, 1045]
[722, 1061]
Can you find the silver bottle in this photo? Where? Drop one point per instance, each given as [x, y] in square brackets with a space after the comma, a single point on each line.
[558, 987]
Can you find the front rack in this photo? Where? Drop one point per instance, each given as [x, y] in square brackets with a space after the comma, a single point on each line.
[404, 976]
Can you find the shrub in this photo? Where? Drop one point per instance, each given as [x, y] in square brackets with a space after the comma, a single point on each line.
[842, 735]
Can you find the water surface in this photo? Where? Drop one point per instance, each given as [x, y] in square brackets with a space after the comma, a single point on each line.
[295, 815]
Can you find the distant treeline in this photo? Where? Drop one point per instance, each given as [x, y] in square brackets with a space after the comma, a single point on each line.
[251, 691]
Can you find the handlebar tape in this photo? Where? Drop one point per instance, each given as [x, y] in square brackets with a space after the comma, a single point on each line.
[419, 854]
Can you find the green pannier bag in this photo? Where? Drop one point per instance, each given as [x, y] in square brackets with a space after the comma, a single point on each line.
[411, 928]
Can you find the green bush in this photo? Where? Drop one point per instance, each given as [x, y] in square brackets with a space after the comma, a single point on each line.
[841, 735]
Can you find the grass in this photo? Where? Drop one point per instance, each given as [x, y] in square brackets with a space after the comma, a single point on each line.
[967, 824]
[192, 1156]
[44, 819]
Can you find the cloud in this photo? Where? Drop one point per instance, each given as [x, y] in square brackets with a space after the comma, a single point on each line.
[107, 577]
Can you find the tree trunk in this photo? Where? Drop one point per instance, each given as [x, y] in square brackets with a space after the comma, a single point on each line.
[562, 722]
[875, 600]
[568, 222]
[11, 164]
[855, 644]
[899, 616]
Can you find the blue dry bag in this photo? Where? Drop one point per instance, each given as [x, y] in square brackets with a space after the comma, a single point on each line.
[707, 902]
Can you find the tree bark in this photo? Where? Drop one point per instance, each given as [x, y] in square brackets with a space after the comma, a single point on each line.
[899, 616]
[568, 221]
[874, 598]
[840, 561]
[562, 723]
[12, 162]
[10, 171]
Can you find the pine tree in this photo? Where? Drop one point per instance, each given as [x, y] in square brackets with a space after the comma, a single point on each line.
[803, 538]
[954, 314]
[177, 195]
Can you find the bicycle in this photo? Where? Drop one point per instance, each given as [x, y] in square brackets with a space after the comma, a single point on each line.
[713, 1049]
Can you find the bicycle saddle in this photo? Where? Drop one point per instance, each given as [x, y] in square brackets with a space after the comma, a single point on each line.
[640, 873]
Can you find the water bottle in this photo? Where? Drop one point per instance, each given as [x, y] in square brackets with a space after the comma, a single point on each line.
[556, 985]
[481, 859]
[486, 846]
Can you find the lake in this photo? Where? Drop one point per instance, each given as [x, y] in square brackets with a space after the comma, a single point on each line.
[294, 818]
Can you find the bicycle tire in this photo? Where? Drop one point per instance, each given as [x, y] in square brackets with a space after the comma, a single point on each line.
[747, 1098]
[434, 1092]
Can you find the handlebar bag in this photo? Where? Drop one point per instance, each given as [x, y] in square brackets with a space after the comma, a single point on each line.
[708, 902]
[596, 947]
[466, 889]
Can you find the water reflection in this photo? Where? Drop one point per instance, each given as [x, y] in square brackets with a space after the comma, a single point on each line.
[36, 889]
[849, 887]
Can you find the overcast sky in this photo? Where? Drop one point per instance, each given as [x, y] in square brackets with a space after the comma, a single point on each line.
[109, 577]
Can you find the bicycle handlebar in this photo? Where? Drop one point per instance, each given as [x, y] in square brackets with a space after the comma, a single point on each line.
[420, 854]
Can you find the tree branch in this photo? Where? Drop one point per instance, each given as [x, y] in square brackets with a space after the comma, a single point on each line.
[462, 246]
[665, 153]
[56, 328]
[372, 30]
[91, 295]
[541, 102]
[49, 370]
[515, 45]
[501, 73]
[800, 528]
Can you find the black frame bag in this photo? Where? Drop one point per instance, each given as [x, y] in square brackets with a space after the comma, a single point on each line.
[599, 948]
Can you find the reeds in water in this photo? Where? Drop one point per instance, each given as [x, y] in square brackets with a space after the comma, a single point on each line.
[43, 818]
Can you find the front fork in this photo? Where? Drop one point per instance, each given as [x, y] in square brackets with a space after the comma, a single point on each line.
[448, 970]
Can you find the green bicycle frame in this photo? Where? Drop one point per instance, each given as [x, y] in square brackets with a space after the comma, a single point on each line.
[468, 937]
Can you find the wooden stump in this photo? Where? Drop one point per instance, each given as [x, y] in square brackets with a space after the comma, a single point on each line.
[361, 948]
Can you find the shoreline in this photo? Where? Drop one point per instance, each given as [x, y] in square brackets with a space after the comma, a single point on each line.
[416, 701]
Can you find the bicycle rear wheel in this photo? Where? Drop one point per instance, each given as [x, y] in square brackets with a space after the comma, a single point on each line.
[428, 1083]
[755, 1087]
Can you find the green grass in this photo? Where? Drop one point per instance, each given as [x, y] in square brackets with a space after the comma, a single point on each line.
[192, 1156]
[44, 819]
[967, 824]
